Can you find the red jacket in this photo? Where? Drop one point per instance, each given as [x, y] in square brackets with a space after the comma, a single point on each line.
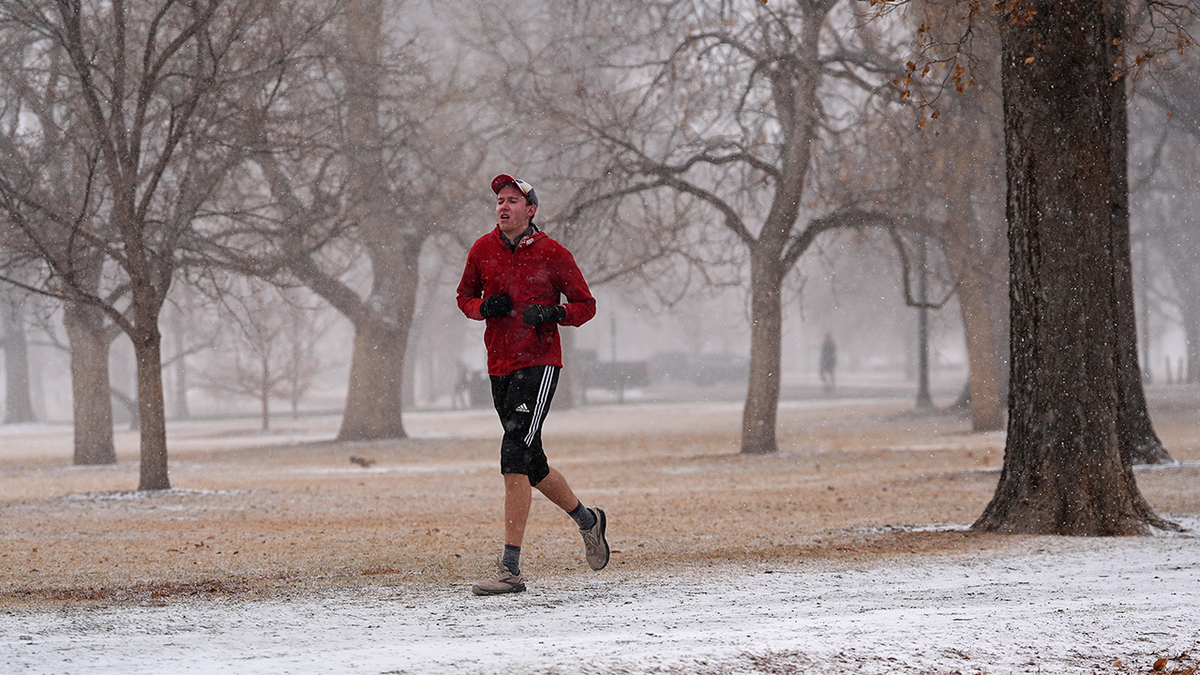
[535, 274]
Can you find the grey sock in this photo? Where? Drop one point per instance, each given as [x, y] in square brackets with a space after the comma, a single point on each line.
[583, 517]
[512, 559]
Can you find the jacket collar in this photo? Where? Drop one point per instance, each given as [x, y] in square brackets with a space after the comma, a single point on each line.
[527, 238]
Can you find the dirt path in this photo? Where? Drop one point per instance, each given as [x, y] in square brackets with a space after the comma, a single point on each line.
[254, 516]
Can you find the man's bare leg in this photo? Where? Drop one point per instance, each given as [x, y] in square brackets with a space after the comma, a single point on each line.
[554, 486]
[517, 495]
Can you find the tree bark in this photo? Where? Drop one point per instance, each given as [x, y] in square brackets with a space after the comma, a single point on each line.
[1064, 470]
[154, 474]
[147, 290]
[91, 400]
[762, 395]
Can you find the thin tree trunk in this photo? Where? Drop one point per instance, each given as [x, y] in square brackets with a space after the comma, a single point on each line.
[154, 472]
[179, 331]
[762, 396]
[264, 394]
[1191, 331]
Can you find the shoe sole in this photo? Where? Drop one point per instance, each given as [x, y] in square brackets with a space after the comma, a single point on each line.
[515, 589]
[603, 538]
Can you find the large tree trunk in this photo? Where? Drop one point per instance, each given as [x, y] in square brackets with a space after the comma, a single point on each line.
[1063, 472]
[90, 386]
[762, 395]
[18, 407]
[374, 398]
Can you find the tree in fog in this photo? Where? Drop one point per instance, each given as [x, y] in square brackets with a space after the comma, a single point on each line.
[267, 349]
[955, 176]
[1066, 470]
[729, 114]
[1170, 193]
[45, 178]
[14, 343]
[141, 119]
[364, 157]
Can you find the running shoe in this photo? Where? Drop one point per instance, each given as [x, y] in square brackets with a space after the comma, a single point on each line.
[594, 543]
[503, 581]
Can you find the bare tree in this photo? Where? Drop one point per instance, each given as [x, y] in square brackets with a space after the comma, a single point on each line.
[42, 173]
[735, 115]
[366, 157]
[268, 348]
[957, 164]
[143, 104]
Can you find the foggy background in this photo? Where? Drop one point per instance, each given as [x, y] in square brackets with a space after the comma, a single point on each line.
[848, 284]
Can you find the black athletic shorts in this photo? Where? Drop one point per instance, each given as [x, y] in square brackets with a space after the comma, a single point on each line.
[522, 400]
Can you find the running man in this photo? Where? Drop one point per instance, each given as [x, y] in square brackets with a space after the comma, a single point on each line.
[515, 278]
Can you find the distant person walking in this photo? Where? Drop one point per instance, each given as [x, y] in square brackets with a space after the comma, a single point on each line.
[514, 279]
[828, 362]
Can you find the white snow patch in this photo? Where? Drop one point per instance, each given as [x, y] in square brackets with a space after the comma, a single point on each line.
[1066, 605]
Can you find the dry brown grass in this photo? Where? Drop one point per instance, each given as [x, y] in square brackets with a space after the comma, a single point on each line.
[249, 520]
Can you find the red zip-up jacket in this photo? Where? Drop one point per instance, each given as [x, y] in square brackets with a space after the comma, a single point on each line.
[538, 272]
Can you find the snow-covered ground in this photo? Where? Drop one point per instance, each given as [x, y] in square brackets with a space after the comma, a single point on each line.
[1049, 605]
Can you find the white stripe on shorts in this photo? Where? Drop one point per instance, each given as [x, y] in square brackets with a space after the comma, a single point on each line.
[543, 399]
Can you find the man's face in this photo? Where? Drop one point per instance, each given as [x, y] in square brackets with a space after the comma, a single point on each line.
[512, 211]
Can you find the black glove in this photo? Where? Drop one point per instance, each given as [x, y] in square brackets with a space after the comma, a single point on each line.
[495, 306]
[535, 314]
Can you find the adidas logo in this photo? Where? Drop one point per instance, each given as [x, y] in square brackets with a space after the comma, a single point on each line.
[522, 408]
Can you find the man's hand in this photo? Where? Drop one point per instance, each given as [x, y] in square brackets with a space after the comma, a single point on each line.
[535, 314]
[494, 306]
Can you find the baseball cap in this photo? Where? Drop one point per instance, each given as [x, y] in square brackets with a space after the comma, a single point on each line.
[505, 179]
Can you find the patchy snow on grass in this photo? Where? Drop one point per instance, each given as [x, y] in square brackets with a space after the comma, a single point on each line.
[1059, 605]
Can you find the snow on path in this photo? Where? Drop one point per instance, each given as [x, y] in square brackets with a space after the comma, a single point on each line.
[1076, 606]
